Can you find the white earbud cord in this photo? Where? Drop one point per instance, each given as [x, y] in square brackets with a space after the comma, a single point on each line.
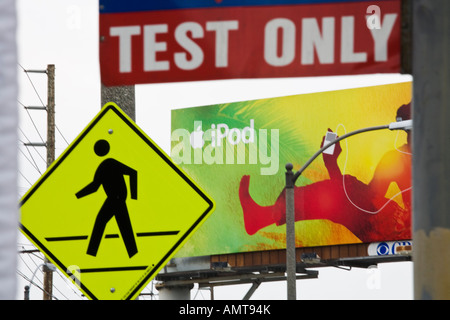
[395, 145]
[343, 179]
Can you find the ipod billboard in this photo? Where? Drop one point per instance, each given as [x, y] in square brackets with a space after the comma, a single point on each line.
[360, 192]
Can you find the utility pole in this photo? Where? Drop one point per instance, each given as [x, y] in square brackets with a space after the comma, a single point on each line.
[48, 274]
[123, 96]
[50, 145]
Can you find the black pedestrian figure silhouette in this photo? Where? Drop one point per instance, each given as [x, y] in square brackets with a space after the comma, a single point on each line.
[110, 174]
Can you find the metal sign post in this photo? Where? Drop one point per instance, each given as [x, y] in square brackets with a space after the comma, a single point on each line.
[291, 178]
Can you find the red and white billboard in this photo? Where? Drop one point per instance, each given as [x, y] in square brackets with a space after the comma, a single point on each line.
[168, 41]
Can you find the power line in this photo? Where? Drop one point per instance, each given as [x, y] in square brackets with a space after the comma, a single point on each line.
[31, 118]
[39, 97]
[47, 275]
[28, 267]
[32, 84]
[68, 285]
[34, 164]
[31, 144]
[61, 134]
[20, 273]
[37, 268]
[25, 178]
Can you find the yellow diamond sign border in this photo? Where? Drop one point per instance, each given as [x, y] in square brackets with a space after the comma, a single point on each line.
[184, 214]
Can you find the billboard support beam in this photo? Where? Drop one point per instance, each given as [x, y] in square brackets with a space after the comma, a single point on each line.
[251, 291]
[291, 178]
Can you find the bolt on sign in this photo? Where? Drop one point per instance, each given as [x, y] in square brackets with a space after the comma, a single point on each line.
[167, 41]
[113, 208]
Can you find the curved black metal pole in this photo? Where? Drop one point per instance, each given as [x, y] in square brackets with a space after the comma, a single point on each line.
[300, 171]
[291, 178]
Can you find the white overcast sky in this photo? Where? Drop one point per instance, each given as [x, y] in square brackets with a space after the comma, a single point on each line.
[65, 33]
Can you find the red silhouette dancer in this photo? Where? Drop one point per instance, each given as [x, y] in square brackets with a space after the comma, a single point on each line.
[343, 199]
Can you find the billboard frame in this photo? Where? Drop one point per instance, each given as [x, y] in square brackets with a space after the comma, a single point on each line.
[256, 267]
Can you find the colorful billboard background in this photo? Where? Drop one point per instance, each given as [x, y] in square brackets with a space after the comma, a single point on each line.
[238, 151]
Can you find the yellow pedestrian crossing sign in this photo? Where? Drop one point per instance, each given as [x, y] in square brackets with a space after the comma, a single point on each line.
[113, 208]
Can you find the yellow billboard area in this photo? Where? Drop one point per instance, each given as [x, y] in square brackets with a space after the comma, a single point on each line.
[358, 192]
